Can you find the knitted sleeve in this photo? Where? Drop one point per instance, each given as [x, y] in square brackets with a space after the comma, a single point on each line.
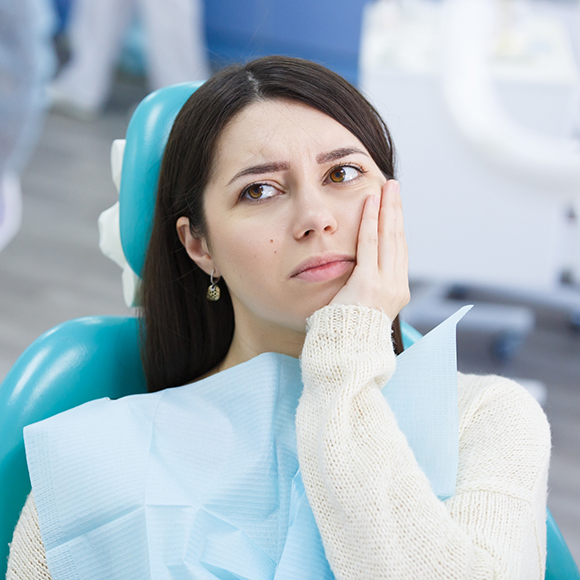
[27, 560]
[376, 513]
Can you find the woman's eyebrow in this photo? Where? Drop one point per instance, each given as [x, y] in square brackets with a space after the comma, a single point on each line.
[338, 154]
[284, 165]
[262, 168]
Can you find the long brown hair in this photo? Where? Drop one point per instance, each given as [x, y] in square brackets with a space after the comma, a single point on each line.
[183, 334]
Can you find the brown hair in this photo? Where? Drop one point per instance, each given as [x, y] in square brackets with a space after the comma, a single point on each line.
[183, 334]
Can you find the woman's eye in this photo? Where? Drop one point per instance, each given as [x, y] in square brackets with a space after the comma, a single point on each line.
[344, 173]
[259, 191]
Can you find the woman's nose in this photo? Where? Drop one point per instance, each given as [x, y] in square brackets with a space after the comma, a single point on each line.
[314, 214]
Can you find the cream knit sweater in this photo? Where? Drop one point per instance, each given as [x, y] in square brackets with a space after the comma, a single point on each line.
[373, 505]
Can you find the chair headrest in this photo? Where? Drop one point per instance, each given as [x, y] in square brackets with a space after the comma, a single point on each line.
[146, 138]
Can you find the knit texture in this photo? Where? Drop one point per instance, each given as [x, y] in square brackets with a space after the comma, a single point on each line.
[377, 515]
[27, 559]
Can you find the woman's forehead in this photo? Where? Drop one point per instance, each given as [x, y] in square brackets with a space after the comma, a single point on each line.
[267, 130]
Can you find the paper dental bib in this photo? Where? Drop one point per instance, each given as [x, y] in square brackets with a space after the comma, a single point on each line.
[203, 481]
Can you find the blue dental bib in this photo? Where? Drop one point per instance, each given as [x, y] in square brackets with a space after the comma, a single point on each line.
[203, 481]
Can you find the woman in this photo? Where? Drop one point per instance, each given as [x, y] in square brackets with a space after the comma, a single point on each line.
[279, 229]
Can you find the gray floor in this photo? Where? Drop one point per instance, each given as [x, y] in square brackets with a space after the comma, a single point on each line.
[53, 271]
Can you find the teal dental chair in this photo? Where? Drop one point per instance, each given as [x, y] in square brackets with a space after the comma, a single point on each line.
[93, 357]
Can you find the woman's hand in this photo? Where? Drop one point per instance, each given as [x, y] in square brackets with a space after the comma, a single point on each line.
[380, 278]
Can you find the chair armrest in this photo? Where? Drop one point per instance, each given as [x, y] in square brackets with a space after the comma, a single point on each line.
[75, 362]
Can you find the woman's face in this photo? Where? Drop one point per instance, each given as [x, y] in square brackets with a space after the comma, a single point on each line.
[283, 209]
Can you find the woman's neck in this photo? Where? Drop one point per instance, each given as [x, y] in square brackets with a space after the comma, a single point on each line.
[254, 335]
[246, 346]
[251, 340]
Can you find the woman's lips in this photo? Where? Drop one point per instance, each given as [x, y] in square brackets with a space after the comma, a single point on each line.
[322, 269]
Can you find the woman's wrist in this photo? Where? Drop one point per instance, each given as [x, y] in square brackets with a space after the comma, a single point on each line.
[342, 339]
[355, 326]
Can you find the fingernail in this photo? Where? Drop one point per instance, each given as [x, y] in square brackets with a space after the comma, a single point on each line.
[376, 200]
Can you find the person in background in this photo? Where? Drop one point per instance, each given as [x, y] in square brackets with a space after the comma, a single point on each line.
[175, 49]
[26, 64]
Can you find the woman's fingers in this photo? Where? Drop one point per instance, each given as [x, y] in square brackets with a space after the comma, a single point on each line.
[393, 252]
[360, 287]
[391, 227]
[367, 252]
[380, 277]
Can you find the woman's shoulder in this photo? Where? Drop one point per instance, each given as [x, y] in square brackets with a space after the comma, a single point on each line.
[500, 402]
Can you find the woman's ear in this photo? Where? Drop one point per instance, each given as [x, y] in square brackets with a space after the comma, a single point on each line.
[196, 248]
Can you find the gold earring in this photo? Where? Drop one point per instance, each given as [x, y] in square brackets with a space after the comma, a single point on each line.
[213, 291]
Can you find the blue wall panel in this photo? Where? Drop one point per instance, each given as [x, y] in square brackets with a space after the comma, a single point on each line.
[326, 31]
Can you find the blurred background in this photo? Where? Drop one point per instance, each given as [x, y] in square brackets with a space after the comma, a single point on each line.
[482, 98]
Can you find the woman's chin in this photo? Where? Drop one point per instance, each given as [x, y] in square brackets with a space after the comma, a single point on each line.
[321, 297]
